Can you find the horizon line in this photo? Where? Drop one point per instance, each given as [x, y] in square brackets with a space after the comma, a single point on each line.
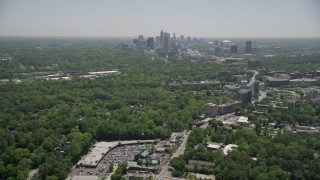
[218, 37]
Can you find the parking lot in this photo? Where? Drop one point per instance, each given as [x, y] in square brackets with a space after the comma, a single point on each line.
[124, 153]
[121, 154]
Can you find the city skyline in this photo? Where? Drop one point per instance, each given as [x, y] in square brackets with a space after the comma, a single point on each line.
[206, 18]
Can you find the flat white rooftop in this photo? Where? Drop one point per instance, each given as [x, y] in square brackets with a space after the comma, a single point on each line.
[228, 148]
[214, 146]
[243, 119]
[102, 72]
[85, 178]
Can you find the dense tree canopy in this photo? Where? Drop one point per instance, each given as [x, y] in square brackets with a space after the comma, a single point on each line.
[286, 156]
[49, 124]
[303, 63]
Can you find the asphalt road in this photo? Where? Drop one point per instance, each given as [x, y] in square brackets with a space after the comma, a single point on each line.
[32, 173]
[165, 171]
[263, 94]
[253, 79]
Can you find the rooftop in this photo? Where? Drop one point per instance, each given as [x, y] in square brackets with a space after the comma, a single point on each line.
[243, 119]
[214, 143]
[85, 178]
[244, 90]
[102, 72]
[304, 80]
[228, 148]
[213, 146]
[230, 103]
[145, 153]
[276, 79]
[211, 104]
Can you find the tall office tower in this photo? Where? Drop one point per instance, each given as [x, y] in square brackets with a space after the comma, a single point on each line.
[150, 43]
[161, 38]
[166, 39]
[216, 43]
[255, 89]
[245, 96]
[157, 41]
[173, 39]
[141, 43]
[189, 39]
[181, 37]
[248, 48]
[135, 41]
[234, 49]
[218, 51]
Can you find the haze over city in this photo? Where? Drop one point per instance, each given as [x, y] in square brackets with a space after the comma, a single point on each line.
[205, 18]
[159, 89]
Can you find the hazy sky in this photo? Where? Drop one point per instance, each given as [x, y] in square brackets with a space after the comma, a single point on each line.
[201, 18]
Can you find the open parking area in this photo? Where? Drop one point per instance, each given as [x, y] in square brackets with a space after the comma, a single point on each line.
[96, 163]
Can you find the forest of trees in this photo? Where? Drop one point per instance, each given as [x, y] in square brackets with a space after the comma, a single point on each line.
[304, 63]
[286, 156]
[119, 172]
[302, 113]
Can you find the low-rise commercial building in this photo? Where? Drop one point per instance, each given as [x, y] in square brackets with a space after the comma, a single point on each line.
[212, 146]
[276, 82]
[228, 107]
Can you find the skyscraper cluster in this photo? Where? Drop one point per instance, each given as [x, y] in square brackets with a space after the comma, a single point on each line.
[164, 40]
[173, 46]
[227, 47]
[164, 44]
